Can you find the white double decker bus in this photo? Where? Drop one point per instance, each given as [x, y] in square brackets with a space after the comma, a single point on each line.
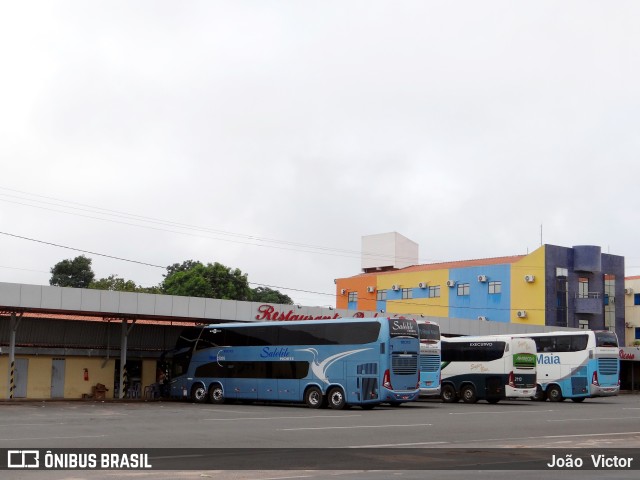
[490, 367]
[576, 364]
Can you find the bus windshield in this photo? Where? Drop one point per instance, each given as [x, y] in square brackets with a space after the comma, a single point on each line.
[429, 333]
[606, 339]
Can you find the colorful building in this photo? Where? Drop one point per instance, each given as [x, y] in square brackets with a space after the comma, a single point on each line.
[552, 286]
[632, 311]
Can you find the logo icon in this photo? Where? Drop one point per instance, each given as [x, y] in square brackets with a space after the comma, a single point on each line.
[23, 458]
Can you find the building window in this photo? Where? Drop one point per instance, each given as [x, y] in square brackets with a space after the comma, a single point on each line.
[353, 296]
[495, 287]
[583, 324]
[562, 272]
[583, 287]
[407, 293]
[463, 289]
[434, 292]
[381, 295]
[636, 298]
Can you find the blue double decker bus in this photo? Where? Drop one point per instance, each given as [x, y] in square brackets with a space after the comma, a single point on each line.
[337, 363]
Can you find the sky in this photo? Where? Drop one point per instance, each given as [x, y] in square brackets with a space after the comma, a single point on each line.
[270, 136]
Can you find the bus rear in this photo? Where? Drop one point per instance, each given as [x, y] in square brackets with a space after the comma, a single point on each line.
[430, 358]
[605, 365]
[401, 377]
[521, 381]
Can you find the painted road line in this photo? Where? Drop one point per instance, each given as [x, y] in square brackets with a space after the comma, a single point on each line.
[357, 426]
[500, 413]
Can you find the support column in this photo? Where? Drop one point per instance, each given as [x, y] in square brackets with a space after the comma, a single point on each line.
[13, 328]
[123, 355]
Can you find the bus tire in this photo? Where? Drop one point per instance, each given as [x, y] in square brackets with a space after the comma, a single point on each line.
[216, 394]
[198, 393]
[336, 398]
[539, 396]
[468, 394]
[554, 394]
[313, 397]
[448, 394]
[578, 399]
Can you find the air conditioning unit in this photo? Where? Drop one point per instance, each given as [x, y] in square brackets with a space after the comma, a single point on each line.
[482, 278]
[529, 278]
[343, 291]
[628, 291]
[629, 325]
[482, 318]
[451, 283]
[395, 287]
[422, 285]
[522, 314]
[371, 289]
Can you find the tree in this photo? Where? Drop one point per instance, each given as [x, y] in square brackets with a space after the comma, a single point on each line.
[215, 280]
[72, 273]
[114, 283]
[181, 267]
[268, 295]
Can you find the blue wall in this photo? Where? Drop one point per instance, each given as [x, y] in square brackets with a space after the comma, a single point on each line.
[496, 307]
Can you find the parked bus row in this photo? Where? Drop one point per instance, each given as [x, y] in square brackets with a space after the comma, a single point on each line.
[557, 365]
[367, 362]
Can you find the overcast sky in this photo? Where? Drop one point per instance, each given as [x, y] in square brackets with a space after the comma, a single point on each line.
[270, 136]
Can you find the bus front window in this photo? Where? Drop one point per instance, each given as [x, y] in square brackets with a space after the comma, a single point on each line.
[429, 333]
[606, 339]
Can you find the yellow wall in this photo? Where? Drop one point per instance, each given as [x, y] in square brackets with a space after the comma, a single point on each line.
[529, 296]
[4, 375]
[436, 307]
[39, 377]
[74, 383]
[149, 368]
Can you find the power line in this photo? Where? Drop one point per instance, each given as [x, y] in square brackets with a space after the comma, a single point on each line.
[138, 262]
[81, 250]
[167, 223]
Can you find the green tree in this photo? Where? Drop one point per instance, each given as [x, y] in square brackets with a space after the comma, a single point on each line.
[72, 273]
[268, 295]
[212, 280]
[181, 267]
[114, 283]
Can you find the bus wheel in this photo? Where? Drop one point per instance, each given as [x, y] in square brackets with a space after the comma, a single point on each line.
[313, 397]
[448, 394]
[336, 398]
[198, 393]
[539, 396]
[216, 395]
[468, 394]
[493, 400]
[555, 394]
[578, 399]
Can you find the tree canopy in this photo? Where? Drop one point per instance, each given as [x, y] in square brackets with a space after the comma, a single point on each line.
[114, 283]
[212, 280]
[268, 295]
[72, 273]
[190, 278]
